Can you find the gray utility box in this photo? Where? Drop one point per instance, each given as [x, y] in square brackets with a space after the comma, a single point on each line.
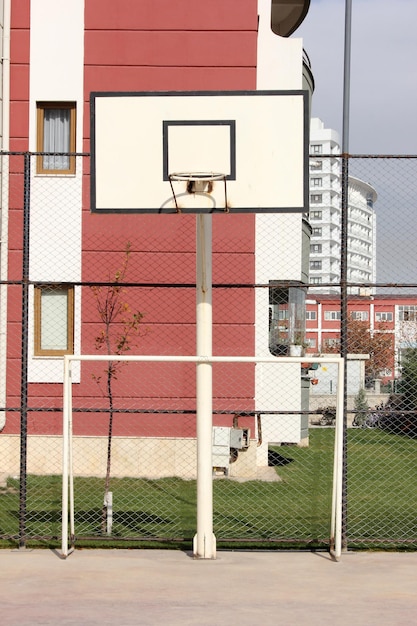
[224, 440]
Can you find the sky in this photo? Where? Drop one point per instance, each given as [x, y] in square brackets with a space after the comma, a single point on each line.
[383, 98]
[383, 112]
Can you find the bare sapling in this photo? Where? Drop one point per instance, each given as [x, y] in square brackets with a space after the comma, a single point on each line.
[120, 327]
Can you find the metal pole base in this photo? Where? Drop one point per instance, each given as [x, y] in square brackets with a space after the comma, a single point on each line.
[209, 551]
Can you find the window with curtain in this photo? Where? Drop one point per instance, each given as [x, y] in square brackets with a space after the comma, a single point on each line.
[56, 133]
[54, 320]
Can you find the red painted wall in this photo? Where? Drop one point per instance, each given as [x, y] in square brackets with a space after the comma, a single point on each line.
[19, 74]
[162, 46]
[19, 133]
[145, 46]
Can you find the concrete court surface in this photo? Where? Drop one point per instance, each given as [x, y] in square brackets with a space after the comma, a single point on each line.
[152, 587]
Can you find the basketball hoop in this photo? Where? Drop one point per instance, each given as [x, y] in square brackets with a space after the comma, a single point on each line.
[198, 182]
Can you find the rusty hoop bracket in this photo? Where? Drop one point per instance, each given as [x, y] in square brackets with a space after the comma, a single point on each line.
[199, 177]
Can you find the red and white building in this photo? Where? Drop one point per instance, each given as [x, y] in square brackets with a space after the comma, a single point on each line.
[55, 53]
[393, 314]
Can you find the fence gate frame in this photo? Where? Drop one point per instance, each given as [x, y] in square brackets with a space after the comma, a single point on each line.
[204, 446]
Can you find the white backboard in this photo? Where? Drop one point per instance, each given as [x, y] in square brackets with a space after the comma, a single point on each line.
[257, 139]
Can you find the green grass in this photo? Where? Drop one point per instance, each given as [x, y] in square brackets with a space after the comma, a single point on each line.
[293, 512]
[382, 488]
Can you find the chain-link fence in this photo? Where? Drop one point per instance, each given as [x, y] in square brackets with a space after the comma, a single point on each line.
[75, 282]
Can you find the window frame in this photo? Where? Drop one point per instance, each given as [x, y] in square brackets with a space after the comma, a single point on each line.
[316, 215]
[316, 198]
[384, 316]
[331, 342]
[316, 248]
[316, 264]
[407, 312]
[41, 107]
[332, 316]
[37, 299]
[360, 316]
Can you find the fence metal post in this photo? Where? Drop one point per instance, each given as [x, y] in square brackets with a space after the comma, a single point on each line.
[344, 252]
[24, 354]
[344, 334]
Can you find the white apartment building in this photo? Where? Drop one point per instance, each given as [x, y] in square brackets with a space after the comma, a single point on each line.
[325, 217]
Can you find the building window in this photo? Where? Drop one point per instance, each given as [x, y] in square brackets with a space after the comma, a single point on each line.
[316, 165]
[311, 315]
[317, 148]
[316, 182]
[315, 280]
[383, 316]
[316, 247]
[331, 343]
[56, 133]
[316, 232]
[315, 265]
[54, 320]
[315, 215]
[386, 372]
[283, 314]
[316, 198]
[332, 315]
[311, 342]
[361, 316]
[407, 313]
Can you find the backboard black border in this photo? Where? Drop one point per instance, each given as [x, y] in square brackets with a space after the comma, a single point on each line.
[232, 176]
[232, 135]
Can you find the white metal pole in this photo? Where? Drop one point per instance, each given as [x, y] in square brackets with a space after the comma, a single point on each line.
[204, 540]
[162, 358]
[70, 458]
[337, 498]
[334, 485]
[340, 455]
[65, 452]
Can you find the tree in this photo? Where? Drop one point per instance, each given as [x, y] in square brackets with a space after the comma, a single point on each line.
[400, 414]
[120, 325]
[408, 381]
[407, 354]
[378, 343]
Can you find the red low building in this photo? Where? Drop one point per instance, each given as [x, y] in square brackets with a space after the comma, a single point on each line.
[393, 315]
